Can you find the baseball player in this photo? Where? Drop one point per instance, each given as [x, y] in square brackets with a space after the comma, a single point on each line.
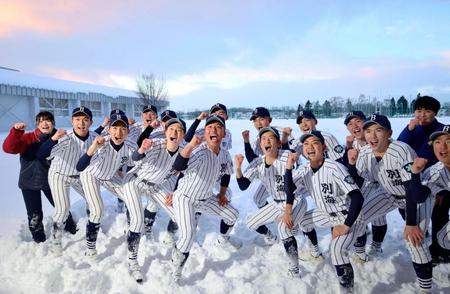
[64, 150]
[270, 169]
[390, 163]
[202, 167]
[149, 116]
[355, 140]
[437, 178]
[261, 119]
[338, 201]
[98, 167]
[152, 176]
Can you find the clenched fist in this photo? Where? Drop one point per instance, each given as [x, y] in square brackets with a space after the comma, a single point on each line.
[20, 126]
[246, 136]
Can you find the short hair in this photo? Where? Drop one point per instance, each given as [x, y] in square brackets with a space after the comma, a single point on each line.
[45, 115]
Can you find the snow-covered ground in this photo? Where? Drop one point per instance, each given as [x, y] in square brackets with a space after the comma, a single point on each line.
[26, 267]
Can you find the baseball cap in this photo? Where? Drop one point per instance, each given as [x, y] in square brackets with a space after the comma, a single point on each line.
[218, 106]
[176, 121]
[314, 133]
[214, 118]
[168, 114]
[148, 108]
[269, 129]
[82, 110]
[305, 114]
[116, 111]
[377, 119]
[116, 117]
[427, 102]
[353, 114]
[260, 112]
[444, 130]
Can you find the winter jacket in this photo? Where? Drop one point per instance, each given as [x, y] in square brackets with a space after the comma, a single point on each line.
[33, 172]
[418, 140]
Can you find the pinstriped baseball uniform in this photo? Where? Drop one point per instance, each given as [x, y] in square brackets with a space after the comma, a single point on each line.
[334, 149]
[437, 178]
[151, 176]
[63, 173]
[272, 177]
[194, 192]
[102, 170]
[261, 195]
[329, 187]
[391, 172]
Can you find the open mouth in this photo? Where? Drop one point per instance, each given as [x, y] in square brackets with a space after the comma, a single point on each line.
[267, 148]
[311, 153]
[306, 129]
[356, 132]
[173, 139]
[213, 138]
[373, 143]
[443, 154]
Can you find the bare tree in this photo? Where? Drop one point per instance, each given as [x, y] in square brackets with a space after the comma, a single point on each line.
[152, 90]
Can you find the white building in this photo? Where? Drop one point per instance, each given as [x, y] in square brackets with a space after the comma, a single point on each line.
[22, 96]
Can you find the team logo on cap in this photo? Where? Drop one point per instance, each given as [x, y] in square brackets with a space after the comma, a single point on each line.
[82, 108]
[373, 117]
[446, 128]
[301, 113]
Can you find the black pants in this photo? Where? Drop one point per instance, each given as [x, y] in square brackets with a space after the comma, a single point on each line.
[33, 204]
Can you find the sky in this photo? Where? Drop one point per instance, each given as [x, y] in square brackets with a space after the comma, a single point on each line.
[241, 53]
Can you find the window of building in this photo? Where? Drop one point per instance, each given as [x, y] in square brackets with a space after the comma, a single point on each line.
[59, 107]
[94, 106]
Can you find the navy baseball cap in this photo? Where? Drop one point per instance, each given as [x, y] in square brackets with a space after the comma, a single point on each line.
[83, 111]
[377, 119]
[353, 114]
[148, 108]
[168, 114]
[118, 117]
[214, 118]
[260, 112]
[305, 114]
[176, 121]
[116, 111]
[218, 106]
[444, 130]
[315, 133]
[269, 129]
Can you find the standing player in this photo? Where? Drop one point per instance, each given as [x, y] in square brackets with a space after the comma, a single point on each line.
[64, 151]
[98, 167]
[270, 169]
[202, 167]
[390, 163]
[34, 172]
[261, 119]
[338, 202]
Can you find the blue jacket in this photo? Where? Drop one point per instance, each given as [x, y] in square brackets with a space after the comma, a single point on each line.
[418, 140]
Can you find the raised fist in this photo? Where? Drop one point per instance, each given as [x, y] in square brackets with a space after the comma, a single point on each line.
[352, 155]
[154, 124]
[196, 140]
[146, 144]
[131, 121]
[413, 123]
[202, 115]
[292, 159]
[99, 140]
[349, 141]
[246, 136]
[59, 134]
[105, 121]
[238, 159]
[418, 165]
[20, 126]
[286, 131]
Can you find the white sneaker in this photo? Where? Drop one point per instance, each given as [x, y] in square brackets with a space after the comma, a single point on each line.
[375, 251]
[90, 252]
[168, 238]
[228, 243]
[135, 270]
[294, 272]
[56, 247]
[360, 258]
[310, 255]
[441, 276]
[178, 261]
[270, 239]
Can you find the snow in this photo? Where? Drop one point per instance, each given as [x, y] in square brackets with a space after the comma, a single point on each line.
[29, 267]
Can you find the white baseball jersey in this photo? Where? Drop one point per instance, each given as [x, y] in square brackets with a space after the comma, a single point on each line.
[204, 169]
[67, 152]
[271, 176]
[135, 130]
[391, 171]
[437, 178]
[226, 144]
[256, 146]
[106, 161]
[334, 149]
[156, 164]
[328, 186]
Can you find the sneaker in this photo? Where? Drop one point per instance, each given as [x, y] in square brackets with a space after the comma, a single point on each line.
[178, 261]
[168, 238]
[346, 290]
[135, 270]
[425, 291]
[310, 255]
[360, 258]
[57, 240]
[294, 272]
[270, 239]
[90, 252]
[228, 243]
[149, 235]
[375, 251]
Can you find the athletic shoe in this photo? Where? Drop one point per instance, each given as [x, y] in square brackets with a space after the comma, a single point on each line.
[135, 270]
[178, 261]
[375, 251]
[228, 243]
[56, 240]
[168, 238]
[270, 239]
[360, 258]
[294, 272]
[90, 252]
